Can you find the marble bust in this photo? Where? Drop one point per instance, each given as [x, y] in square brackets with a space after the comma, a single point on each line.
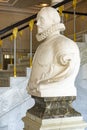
[56, 61]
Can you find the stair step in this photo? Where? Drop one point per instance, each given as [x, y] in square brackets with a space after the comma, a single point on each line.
[4, 82]
[9, 73]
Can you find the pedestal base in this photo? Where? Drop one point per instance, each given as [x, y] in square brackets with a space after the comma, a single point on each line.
[53, 113]
[68, 123]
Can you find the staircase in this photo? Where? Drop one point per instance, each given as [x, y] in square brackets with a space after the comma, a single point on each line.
[14, 99]
[21, 71]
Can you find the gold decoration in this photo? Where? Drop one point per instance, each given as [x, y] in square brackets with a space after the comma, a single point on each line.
[1, 42]
[14, 71]
[75, 37]
[21, 33]
[66, 16]
[30, 61]
[74, 3]
[15, 31]
[11, 38]
[31, 24]
[61, 8]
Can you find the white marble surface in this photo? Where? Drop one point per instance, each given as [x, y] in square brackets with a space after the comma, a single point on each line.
[66, 123]
[80, 104]
[12, 120]
[14, 102]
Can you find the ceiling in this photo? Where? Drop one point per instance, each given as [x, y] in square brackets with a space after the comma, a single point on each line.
[28, 6]
[22, 3]
[12, 11]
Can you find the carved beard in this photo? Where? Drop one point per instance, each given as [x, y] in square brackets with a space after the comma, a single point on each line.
[56, 27]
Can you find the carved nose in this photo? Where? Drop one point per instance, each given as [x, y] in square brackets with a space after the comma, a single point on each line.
[38, 23]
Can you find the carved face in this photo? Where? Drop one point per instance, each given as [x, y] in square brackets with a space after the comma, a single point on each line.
[43, 22]
[46, 18]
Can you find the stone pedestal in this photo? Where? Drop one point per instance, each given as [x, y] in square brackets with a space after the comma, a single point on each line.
[53, 113]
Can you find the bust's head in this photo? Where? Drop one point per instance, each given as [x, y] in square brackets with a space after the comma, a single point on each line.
[46, 18]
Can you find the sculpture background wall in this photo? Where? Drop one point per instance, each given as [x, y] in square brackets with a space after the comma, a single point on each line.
[80, 104]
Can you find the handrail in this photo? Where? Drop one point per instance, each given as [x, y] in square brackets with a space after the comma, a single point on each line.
[27, 20]
[78, 34]
[77, 13]
[17, 24]
[9, 34]
[67, 12]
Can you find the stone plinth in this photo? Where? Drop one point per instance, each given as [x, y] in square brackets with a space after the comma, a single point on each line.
[67, 123]
[53, 113]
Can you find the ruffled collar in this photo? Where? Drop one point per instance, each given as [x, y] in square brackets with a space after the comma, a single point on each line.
[55, 28]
